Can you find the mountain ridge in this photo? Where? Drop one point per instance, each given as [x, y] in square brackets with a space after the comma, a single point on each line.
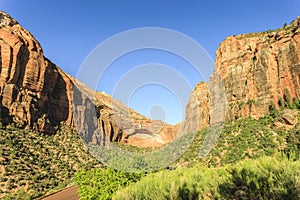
[255, 74]
[258, 72]
[37, 94]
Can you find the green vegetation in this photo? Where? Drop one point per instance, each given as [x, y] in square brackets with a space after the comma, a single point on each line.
[32, 164]
[264, 178]
[103, 183]
[253, 159]
[244, 139]
[285, 30]
[139, 160]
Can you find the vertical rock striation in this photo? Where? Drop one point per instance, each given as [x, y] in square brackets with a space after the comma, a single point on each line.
[35, 93]
[257, 70]
[252, 72]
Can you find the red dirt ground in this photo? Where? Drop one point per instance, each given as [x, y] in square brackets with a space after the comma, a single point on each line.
[66, 194]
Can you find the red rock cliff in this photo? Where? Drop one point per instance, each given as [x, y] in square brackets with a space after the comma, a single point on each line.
[35, 93]
[256, 71]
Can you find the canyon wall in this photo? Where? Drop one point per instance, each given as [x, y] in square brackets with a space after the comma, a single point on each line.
[37, 94]
[257, 71]
[253, 72]
[34, 92]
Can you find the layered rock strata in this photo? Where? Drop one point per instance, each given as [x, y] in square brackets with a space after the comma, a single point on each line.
[37, 94]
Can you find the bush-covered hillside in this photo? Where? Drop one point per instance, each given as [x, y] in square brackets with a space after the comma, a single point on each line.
[253, 159]
[33, 164]
[247, 138]
[264, 178]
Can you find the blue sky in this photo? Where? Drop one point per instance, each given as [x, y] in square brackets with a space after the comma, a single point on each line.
[69, 30]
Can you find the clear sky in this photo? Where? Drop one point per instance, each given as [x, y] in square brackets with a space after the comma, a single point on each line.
[69, 30]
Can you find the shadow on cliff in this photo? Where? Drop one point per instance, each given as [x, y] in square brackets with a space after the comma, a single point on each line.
[88, 120]
[140, 131]
[84, 115]
[58, 107]
[5, 117]
[52, 107]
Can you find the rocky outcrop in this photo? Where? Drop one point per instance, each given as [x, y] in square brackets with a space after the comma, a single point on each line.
[287, 119]
[252, 72]
[37, 94]
[260, 69]
[133, 128]
[34, 92]
[257, 70]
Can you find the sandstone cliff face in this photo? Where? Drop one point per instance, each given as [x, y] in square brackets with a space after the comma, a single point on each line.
[256, 70]
[252, 72]
[35, 93]
[132, 127]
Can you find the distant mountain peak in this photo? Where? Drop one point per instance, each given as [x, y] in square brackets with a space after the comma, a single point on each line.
[37, 94]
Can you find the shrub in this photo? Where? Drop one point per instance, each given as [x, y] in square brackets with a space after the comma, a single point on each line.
[265, 178]
[102, 183]
[296, 103]
[192, 183]
[272, 110]
[287, 98]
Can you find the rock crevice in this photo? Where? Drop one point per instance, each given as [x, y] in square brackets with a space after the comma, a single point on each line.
[257, 70]
[37, 94]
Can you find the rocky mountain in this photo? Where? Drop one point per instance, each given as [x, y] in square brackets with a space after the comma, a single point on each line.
[253, 73]
[36, 94]
[258, 72]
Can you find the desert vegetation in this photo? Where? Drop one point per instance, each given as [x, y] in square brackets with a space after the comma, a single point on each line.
[33, 164]
[263, 178]
[253, 159]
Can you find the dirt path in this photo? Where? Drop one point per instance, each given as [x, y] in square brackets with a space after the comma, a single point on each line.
[66, 194]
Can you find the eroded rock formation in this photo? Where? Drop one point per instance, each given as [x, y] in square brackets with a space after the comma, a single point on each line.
[35, 93]
[252, 72]
[257, 70]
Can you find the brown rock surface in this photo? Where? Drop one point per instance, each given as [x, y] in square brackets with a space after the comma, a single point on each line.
[287, 119]
[35, 93]
[260, 69]
[131, 127]
[252, 72]
[256, 70]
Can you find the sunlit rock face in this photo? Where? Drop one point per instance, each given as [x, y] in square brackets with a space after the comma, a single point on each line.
[255, 70]
[252, 72]
[37, 94]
